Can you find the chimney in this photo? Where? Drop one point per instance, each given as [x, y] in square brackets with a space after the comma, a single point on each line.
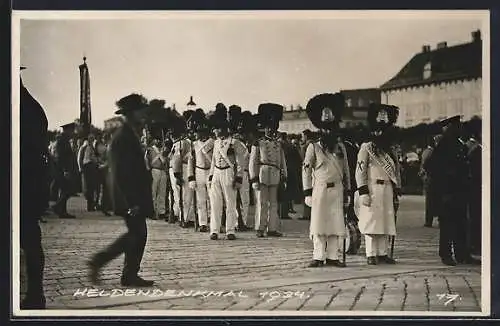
[426, 48]
[441, 45]
[476, 36]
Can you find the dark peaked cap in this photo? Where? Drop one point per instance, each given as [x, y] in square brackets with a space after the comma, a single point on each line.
[130, 103]
[315, 106]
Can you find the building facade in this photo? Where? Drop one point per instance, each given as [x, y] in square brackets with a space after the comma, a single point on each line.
[437, 84]
[113, 123]
[295, 119]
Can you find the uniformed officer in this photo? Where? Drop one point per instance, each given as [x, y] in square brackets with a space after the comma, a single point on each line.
[199, 166]
[379, 182]
[449, 170]
[179, 173]
[226, 174]
[267, 169]
[326, 180]
[64, 159]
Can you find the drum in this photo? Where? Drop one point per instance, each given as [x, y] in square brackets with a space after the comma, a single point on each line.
[353, 239]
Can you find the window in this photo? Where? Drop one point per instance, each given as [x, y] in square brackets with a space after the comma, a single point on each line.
[427, 70]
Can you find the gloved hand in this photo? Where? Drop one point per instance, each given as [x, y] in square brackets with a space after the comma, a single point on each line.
[192, 185]
[365, 200]
[308, 201]
[256, 186]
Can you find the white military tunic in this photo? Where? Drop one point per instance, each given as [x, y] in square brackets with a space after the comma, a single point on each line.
[200, 165]
[379, 172]
[179, 158]
[326, 173]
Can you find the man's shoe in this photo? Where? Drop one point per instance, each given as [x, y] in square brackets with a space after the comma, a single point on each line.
[37, 303]
[136, 281]
[386, 260]
[448, 261]
[93, 273]
[334, 262]
[67, 216]
[274, 234]
[260, 234]
[214, 236]
[231, 236]
[204, 228]
[371, 260]
[316, 263]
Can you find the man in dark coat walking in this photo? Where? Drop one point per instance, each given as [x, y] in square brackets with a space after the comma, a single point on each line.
[130, 184]
[34, 172]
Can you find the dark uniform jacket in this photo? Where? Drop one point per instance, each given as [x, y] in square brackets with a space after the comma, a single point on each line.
[34, 170]
[130, 181]
[448, 168]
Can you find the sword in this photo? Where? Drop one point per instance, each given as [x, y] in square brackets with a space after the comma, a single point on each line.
[393, 237]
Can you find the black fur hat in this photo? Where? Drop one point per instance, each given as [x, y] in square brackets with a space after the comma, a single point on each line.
[218, 120]
[234, 117]
[381, 116]
[270, 115]
[320, 118]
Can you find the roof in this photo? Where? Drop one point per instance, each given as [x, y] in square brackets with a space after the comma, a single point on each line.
[457, 62]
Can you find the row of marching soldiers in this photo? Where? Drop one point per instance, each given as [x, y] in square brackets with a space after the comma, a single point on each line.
[210, 178]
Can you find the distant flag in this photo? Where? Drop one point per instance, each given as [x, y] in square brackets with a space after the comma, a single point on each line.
[85, 110]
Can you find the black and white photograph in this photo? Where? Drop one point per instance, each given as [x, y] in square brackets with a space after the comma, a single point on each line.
[251, 163]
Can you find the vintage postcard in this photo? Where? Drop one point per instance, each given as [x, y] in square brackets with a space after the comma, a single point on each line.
[251, 163]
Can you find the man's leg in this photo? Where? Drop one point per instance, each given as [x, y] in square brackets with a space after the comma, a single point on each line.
[245, 198]
[162, 194]
[201, 198]
[176, 193]
[216, 203]
[231, 209]
[428, 207]
[274, 218]
[31, 243]
[261, 209]
[138, 233]
[319, 250]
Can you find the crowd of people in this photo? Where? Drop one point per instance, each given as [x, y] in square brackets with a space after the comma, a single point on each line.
[203, 171]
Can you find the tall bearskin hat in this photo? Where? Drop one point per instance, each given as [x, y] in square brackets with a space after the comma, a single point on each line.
[234, 117]
[325, 110]
[198, 121]
[218, 119]
[381, 116]
[247, 123]
[270, 115]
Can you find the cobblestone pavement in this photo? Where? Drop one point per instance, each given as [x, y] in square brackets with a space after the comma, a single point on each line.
[193, 272]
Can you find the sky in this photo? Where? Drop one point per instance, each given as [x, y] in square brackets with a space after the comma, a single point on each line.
[234, 61]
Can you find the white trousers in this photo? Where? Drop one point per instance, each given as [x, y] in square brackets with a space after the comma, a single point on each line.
[159, 190]
[202, 200]
[222, 193]
[376, 245]
[267, 208]
[245, 198]
[326, 247]
[187, 196]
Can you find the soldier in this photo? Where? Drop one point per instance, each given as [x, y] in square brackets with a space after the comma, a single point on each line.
[64, 159]
[225, 176]
[199, 166]
[449, 171]
[267, 169]
[328, 195]
[89, 170]
[179, 173]
[379, 182]
[156, 162]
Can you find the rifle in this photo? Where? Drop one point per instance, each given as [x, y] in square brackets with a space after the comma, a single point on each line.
[393, 238]
[196, 222]
[181, 201]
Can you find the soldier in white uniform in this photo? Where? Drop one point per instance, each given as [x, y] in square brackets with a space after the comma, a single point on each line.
[267, 169]
[326, 181]
[199, 166]
[225, 177]
[379, 183]
[179, 174]
[236, 129]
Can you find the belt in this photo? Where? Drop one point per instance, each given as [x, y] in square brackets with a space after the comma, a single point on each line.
[330, 185]
[222, 168]
[199, 167]
[161, 169]
[381, 182]
[270, 164]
